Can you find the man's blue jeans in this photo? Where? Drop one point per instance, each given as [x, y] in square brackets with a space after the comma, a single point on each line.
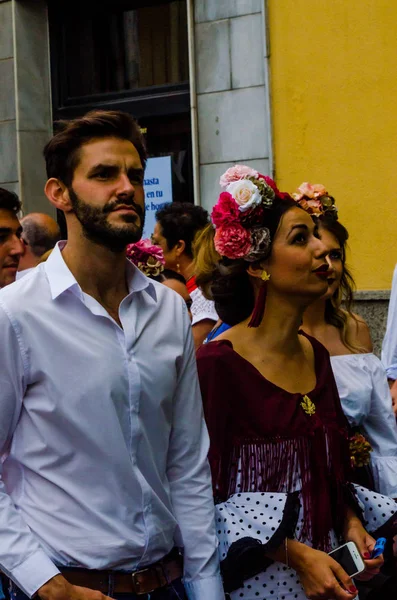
[175, 591]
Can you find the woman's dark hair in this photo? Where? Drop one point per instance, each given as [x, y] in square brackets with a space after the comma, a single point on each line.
[181, 221]
[226, 281]
[334, 313]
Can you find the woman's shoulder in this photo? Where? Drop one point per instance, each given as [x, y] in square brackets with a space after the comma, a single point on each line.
[320, 351]
[358, 330]
[217, 350]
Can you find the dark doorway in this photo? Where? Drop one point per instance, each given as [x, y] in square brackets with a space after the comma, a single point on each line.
[129, 55]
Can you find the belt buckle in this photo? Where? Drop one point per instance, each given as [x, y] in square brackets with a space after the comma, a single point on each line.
[136, 585]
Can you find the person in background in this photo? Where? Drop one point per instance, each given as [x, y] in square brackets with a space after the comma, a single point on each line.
[11, 250]
[150, 260]
[40, 233]
[389, 346]
[359, 374]
[11, 246]
[177, 225]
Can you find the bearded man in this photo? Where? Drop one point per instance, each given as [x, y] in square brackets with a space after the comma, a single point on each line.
[105, 476]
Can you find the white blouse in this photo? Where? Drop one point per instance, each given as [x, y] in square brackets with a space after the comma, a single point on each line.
[389, 347]
[202, 308]
[366, 401]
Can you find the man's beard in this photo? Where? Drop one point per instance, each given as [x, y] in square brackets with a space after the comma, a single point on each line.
[97, 229]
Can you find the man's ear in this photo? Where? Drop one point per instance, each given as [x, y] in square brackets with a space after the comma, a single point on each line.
[57, 193]
[180, 247]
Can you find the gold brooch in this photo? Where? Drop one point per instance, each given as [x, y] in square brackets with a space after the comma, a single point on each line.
[308, 406]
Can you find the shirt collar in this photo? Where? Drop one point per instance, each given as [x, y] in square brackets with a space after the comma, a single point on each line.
[61, 278]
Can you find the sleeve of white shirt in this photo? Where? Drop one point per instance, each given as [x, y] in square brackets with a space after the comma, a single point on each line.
[389, 347]
[21, 556]
[383, 431]
[190, 482]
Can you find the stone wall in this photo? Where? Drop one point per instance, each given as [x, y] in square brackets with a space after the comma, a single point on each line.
[25, 100]
[373, 307]
[232, 90]
[9, 177]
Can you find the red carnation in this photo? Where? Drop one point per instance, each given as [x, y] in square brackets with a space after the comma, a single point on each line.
[232, 241]
[225, 211]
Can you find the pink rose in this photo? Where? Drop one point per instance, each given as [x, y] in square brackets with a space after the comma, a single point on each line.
[315, 207]
[232, 241]
[306, 189]
[301, 201]
[142, 251]
[225, 211]
[235, 173]
[318, 190]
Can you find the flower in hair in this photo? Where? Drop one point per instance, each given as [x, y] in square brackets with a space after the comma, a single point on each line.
[240, 213]
[232, 241]
[245, 193]
[236, 173]
[147, 257]
[225, 211]
[260, 244]
[314, 198]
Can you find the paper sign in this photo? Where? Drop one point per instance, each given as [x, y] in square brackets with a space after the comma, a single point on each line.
[158, 189]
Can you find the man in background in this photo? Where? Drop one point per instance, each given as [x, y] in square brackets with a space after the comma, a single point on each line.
[40, 233]
[11, 247]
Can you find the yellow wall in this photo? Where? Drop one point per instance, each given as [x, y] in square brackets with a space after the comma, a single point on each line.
[334, 108]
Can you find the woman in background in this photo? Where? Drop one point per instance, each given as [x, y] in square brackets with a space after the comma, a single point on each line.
[175, 230]
[360, 376]
[150, 260]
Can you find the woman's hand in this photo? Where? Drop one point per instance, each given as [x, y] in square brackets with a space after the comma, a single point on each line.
[320, 575]
[355, 532]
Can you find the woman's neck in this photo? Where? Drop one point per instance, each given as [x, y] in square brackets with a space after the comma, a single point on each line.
[314, 316]
[186, 267]
[280, 325]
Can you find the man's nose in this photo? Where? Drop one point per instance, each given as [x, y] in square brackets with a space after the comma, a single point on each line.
[126, 187]
[17, 247]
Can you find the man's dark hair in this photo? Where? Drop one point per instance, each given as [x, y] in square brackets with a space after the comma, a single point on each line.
[9, 201]
[181, 221]
[38, 237]
[62, 152]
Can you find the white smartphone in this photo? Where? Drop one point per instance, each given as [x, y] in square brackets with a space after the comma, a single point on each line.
[349, 558]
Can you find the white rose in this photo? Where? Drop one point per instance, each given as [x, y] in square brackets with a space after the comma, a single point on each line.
[245, 193]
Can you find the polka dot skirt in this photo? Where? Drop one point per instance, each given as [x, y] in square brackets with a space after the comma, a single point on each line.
[377, 509]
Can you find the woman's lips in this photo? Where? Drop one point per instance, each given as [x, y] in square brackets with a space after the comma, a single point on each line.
[322, 274]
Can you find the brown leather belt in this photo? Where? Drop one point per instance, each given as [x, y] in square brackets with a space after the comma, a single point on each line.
[140, 582]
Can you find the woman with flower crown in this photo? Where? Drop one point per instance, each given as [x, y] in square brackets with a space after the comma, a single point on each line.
[279, 448]
[360, 376]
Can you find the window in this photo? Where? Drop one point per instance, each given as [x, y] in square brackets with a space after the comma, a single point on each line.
[108, 50]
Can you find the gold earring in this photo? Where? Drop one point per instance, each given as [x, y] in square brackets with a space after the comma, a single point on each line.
[265, 276]
[178, 267]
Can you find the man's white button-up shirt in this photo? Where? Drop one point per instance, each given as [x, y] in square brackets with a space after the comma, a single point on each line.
[102, 433]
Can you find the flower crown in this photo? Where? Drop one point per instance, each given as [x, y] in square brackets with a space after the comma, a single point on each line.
[315, 199]
[239, 213]
[148, 258]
